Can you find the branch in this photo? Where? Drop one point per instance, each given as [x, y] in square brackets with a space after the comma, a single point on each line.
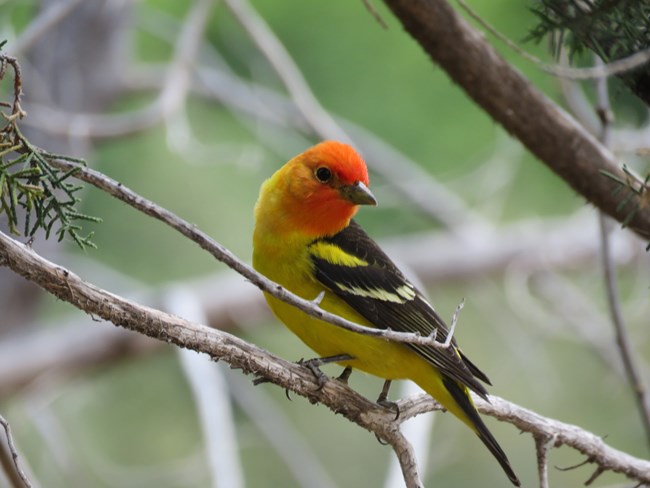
[592, 446]
[240, 354]
[229, 301]
[217, 344]
[542, 445]
[14, 453]
[544, 128]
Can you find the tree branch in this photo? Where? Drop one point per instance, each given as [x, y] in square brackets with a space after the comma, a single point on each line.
[563, 434]
[217, 344]
[542, 445]
[229, 301]
[338, 397]
[544, 128]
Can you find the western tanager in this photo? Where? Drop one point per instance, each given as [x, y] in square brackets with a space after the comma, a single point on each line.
[305, 240]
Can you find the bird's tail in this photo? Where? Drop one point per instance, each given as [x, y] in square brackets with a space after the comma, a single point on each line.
[472, 418]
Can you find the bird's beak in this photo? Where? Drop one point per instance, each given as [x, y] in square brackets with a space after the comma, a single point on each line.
[358, 194]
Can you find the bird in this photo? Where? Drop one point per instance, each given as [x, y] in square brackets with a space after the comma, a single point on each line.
[306, 240]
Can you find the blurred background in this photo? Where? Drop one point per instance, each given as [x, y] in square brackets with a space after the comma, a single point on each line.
[193, 105]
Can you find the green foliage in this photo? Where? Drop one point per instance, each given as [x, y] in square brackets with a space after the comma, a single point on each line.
[29, 182]
[613, 29]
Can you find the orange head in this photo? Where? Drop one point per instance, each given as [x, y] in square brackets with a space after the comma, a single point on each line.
[318, 191]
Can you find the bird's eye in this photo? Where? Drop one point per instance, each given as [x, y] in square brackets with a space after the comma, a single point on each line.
[323, 174]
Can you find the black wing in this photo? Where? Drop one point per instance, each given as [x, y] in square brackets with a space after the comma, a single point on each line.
[379, 291]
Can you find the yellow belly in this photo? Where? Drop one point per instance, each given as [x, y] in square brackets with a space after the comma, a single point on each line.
[378, 357]
[373, 355]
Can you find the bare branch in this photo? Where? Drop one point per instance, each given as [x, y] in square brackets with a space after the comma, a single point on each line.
[516, 104]
[405, 456]
[337, 396]
[14, 452]
[229, 301]
[625, 348]
[419, 432]
[542, 445]
[373, 11]
[219, 345]
[585, 442]
[454, 321]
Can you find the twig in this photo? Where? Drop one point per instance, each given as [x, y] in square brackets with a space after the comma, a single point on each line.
[542, 446]
[597, 472]
[613, 296]
[622, 339]
[373, 11]
[587, 443]
[419, 432]
[14, 452]
[405, 456]
[16, 109]
[454, 321]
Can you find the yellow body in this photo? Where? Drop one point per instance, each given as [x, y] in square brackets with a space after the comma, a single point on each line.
[283, 257]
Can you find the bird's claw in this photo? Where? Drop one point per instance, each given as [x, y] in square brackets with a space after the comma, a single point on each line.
[261, 379]
[385, 402]
[314, 366]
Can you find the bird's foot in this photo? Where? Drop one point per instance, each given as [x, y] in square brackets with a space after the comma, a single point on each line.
[385, 402]
[314, 366]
